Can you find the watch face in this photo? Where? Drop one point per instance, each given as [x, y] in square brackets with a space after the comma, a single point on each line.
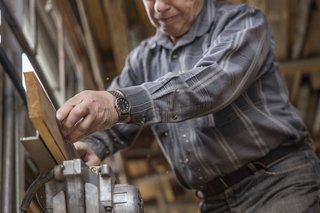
[123, 105]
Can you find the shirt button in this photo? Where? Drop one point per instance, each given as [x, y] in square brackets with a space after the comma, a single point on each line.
[174, 56]
[174, 117]
[142, 120]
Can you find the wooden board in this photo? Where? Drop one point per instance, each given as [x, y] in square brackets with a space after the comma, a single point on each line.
[98, 23]
[312, 44]
[34, 146]
[303, 66]
[118, 28]
[42, 114]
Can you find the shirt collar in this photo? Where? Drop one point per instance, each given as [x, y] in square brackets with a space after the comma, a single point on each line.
[199, 28]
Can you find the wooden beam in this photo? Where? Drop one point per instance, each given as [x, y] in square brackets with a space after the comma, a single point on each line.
[262, 5]
[315, 81]
[294, 88]
[91, 46]
[2, 104]
[117, 21]
[144, 18]
[301, 28]
[312, 44]
[33, 208]
[74, 39]
[72, 27]
[300, 66]
[98, 23]
[238, 1]
[42, 114]
[312, 107]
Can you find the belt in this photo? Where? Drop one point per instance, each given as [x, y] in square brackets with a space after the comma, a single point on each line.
[220, 184]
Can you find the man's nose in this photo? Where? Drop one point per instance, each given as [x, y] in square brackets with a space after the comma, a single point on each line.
[161, 6]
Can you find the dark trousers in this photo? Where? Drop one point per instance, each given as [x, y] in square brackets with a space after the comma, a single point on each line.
[291, 185]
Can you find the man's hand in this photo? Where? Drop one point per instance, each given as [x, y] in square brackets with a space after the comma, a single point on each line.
[87, 154]
[85, 113]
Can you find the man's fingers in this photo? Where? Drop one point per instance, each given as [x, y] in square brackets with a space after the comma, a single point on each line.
[64, 111]
[87, 154]
[81, 129]
[76, 115]
[81, 148]
[85, 113]
[93, 160]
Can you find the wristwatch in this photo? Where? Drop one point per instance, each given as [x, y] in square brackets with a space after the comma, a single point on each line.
[122, 106]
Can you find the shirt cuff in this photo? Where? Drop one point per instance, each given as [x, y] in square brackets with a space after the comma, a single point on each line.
[97, 146]
[142, 107]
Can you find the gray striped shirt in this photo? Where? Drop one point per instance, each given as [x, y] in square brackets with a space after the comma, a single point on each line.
[215, 100]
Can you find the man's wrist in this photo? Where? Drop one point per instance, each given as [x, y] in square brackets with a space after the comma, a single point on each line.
[121, 105]
[97, 146]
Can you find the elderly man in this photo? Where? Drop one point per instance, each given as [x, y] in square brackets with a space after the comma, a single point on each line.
[208, 85]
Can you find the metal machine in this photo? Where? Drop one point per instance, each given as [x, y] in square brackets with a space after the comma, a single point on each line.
[72, 187]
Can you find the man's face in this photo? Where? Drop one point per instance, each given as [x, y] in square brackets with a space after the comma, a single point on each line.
[173, 17]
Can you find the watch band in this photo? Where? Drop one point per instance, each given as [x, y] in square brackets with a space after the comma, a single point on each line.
[121, 105]
[116, 94]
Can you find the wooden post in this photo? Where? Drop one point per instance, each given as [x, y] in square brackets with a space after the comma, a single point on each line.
[117, 21]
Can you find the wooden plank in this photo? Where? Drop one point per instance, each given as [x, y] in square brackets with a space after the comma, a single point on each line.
[74, 38]
[316, 125]
[300, 66]
[293, 71]
[303, 99]
[33, 208]
[261, 5]
[315, 80]
[295, 86]
[294, 17]
[96, 63]
[2, 104]
[98, 23]
[312, 44]
[42, 114]
[143, 17]
[118, 27]
[278, 17]
[318, 3]
[312, 109]
[137, 168]
[301, 28]
[238, 1]
[34, 146]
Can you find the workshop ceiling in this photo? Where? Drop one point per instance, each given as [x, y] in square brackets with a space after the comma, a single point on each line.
[110, 28]
[115, 27]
